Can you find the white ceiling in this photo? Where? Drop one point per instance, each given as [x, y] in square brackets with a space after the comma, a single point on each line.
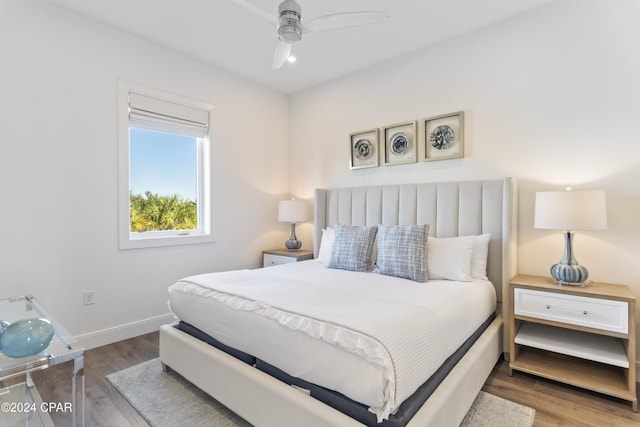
[221, 33]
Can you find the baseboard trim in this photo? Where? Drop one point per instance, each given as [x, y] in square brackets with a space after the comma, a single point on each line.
[123, 332]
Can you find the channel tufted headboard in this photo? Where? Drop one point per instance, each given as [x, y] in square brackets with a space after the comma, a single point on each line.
[450, 208]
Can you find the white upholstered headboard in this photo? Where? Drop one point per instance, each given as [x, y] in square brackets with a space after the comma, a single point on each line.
[450, 208]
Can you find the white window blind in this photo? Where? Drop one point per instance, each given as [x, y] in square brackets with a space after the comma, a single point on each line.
[165, 116]
[142, 112]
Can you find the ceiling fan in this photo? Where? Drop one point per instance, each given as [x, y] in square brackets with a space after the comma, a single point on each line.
[290, 28]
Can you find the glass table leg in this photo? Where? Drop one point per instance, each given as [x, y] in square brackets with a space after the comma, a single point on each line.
[78, 371]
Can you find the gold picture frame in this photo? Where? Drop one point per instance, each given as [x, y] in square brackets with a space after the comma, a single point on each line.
[400, 143]
[444, 137]
[364, 146]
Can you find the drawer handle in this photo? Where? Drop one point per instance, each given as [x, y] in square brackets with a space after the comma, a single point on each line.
[584, 312]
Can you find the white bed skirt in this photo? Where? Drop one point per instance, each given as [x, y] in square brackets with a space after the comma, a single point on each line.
[266, 401]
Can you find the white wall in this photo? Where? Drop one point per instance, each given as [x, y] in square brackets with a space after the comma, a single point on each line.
[551, 97]
[59, 168]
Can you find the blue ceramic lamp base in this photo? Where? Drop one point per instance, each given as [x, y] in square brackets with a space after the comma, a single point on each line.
[568, 271]
[574, 275]
[293, 244]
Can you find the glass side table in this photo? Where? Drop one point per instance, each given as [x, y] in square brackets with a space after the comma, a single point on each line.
[21, 404]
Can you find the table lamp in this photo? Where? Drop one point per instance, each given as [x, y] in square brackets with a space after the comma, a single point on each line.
[570, 211]
[292, 211]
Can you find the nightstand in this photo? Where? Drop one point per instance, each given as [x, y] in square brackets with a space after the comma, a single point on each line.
[283, 256]
[583, 336]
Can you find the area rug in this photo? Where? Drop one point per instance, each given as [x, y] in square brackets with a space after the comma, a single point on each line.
[167, 399]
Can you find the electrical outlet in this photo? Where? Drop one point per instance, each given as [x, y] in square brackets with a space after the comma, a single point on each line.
[89, 297]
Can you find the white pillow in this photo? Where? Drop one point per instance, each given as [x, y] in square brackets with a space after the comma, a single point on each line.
[479, 257]
[326, 245]
[450, 258]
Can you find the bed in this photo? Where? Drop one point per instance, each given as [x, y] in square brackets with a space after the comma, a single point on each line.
[451, 210]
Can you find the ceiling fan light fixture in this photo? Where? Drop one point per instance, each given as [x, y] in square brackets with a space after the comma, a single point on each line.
[291, 59]
[289, 26]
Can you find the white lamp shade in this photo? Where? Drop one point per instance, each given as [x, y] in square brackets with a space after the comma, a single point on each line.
[292, 211]
[571, 210]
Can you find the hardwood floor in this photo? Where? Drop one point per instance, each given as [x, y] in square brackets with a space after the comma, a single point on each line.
[104, 405]
[555, 404]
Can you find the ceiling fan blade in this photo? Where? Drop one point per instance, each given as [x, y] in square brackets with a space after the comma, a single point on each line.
[282, 53]
[250, 7]
[337, 21]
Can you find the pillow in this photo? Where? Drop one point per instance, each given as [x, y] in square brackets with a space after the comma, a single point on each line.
[402, 251]
[479, 257]
[450, 258]
[326, 245]
[352, 247]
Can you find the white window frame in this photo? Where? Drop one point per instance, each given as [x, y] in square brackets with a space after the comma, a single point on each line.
[135, 240]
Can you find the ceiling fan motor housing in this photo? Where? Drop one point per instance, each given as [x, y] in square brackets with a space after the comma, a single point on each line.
[289, 28]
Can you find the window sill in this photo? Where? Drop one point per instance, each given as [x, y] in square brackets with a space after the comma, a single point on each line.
[162, 241]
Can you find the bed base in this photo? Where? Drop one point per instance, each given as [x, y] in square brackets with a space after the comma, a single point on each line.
[267, 402]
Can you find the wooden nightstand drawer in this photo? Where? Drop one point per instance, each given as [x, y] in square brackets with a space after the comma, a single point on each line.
[607, 315]
[269, 260]
[282, 256]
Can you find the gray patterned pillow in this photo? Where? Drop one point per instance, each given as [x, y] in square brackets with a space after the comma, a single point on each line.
[402, 251]
[352, 247]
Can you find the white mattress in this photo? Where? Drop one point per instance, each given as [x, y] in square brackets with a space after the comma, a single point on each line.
[371, 337]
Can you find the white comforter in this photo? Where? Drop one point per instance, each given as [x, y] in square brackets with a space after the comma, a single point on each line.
[391, 334]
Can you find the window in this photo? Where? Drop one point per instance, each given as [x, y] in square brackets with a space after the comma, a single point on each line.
[165, 196]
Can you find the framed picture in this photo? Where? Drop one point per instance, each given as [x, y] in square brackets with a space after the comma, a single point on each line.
[444, 137]
[364, 149]
[400, 143]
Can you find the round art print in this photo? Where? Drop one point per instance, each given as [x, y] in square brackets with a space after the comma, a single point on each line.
[442, 137]
[400, 143]
[363, 149]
